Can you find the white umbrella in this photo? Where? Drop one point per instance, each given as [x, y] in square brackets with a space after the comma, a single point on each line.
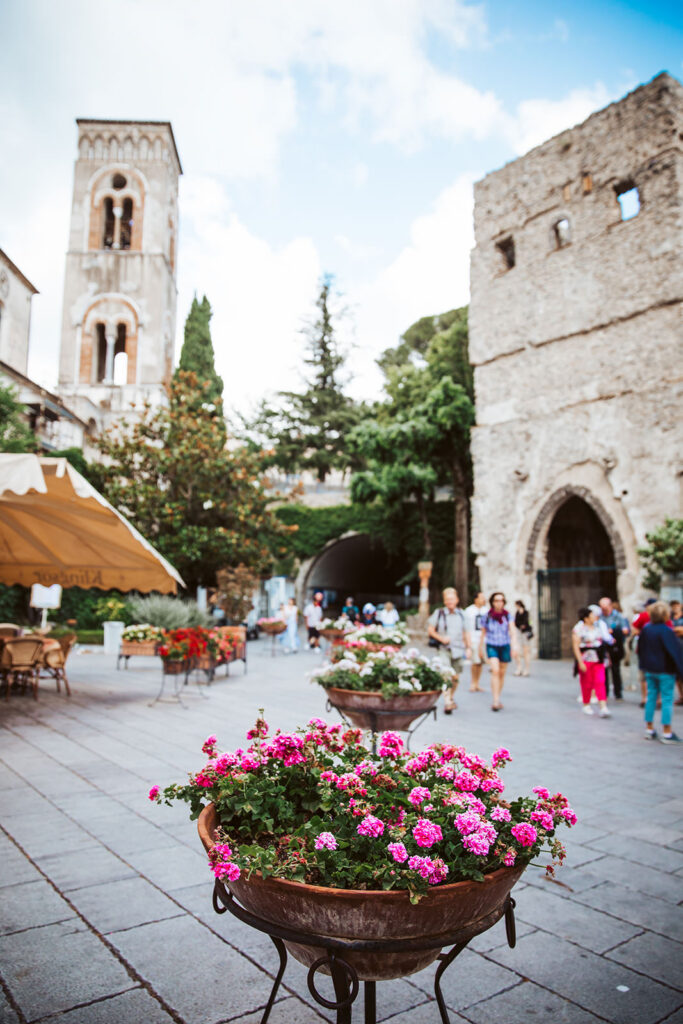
[56, 528]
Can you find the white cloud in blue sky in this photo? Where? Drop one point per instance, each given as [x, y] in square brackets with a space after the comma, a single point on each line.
[314, 137]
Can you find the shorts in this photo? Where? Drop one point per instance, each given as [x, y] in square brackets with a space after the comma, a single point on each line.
[524, 640]
[500, 651]
[452, 661]
[476, 642]
[313, 632]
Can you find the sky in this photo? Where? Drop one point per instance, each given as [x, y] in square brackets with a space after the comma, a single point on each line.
[315, 137]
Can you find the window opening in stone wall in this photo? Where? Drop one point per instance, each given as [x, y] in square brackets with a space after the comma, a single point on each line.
[120, 356]
[118, 182]
[628, 198]
[587, 183]
[108, 228]
[506, 253]
[126, 223]
[562, 233]
[101, 352]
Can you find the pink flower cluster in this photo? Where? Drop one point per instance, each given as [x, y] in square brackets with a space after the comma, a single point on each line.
[209, 746]
[500, 756]
[390, 745]
[543, 819]
[370, 826]
[433, 870]
[426, 833]
[326, 841]
[153, 793]
[418, 795]
[221, 865]
[526, 835]
[501, 814]
[398, 852]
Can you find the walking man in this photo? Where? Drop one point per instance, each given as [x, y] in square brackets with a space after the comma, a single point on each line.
[313, 616]
[473, 616]
[619, 630]
[447, 632]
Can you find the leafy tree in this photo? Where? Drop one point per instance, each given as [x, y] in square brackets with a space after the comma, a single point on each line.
[197, 355]
[197, 500]
[663, 554]
[308, 429]
[15, 433]
[424, 424]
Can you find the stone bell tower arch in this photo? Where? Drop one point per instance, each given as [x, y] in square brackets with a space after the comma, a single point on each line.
[120, 296]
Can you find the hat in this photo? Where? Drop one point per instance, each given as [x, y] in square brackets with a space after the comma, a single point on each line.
[596, 609]
[369, 607]
[650, 600]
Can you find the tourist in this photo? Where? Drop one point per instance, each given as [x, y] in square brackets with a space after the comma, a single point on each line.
[619, 629]
[388, 616]
[350, 610]
[524, 636]
[290, 637]
[677, 623]
[641, 620]
[498, 642]
[313, 616]
[661, 659]
[588, 643]
[368, 616]
[473, 616]
[447, 631]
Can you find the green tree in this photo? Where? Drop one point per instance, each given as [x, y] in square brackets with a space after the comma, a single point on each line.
[430, 404]
[308, 429]
[663, 554]
[198, 500]
[15, 433]
[197, 355]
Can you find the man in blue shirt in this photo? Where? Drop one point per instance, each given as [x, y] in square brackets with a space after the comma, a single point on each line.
[618, 630]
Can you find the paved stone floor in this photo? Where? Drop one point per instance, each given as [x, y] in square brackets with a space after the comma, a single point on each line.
[105, 898]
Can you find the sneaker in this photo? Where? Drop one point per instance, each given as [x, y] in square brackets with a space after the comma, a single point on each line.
[587, 709]
[650, 734]
[669, 738]
[605, 713]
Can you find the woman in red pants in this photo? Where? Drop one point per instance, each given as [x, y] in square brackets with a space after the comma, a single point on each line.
[588, 641]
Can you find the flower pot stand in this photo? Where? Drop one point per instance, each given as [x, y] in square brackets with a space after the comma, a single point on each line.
[344, 975]
[179, 672]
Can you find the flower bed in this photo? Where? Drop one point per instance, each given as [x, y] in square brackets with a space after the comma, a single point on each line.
[388, 671]
[141, 633]
[316, 806]
[195, 643]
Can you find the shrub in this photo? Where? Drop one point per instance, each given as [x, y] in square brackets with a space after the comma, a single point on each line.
[167, 612]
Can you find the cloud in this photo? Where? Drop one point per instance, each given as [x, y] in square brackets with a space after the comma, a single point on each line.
[538, 119]
[429, 275]
[259, 293]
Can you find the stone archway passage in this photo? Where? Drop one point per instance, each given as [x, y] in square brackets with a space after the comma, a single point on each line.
[580, 568]
[553, 504]
[358, 565]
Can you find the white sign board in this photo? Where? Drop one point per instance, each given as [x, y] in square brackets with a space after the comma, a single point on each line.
[46, 597]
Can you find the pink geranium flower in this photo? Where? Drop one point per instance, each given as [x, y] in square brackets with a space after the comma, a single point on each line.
[426, 833]
[398, 852]
[153, 793]
[370, 826]
[326, 841]
[526, 835]
[418, 795]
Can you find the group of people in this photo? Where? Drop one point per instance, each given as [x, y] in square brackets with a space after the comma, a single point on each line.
[314, 615]
[599, 641]
[481, 635]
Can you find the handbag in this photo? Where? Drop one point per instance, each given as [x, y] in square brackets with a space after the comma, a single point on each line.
[433, 642]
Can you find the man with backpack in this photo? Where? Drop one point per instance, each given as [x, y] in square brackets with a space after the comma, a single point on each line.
[447, 632]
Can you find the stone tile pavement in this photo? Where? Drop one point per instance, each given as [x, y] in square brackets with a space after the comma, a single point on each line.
[105, 898]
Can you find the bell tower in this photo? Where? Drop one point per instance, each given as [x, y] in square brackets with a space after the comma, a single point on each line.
[118, 318]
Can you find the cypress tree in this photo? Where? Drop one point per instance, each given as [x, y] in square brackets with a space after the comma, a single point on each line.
[197, 354]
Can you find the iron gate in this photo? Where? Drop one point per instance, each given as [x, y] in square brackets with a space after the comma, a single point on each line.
[549, 625]
[557, 610]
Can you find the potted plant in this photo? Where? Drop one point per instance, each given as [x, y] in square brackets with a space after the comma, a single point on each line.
[140, 639]
[272, 626]
[178, 649]
[313, 831]
[383, 688]
[376, 637]
[335, 629]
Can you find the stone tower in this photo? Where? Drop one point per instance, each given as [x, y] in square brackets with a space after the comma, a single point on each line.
[576, 334]
[118, 320]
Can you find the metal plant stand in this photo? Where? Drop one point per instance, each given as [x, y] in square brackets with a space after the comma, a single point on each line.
[375, 716]
[344, 977]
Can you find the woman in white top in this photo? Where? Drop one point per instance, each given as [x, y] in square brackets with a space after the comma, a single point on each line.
[588, 644]
[388, 615]
[290, 637]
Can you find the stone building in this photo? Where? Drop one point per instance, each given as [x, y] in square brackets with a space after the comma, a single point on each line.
[118, 321]
[576, 335]
[16, 293]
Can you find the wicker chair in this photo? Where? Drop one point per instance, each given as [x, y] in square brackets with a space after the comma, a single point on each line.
[8, 629]
[20, 663]
[54, 661]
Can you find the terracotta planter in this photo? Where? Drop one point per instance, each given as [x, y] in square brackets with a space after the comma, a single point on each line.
[357, 914]
[333, 635]
[361, 707]
[273, 628]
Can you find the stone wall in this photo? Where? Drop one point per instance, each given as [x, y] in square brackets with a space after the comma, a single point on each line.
[577, 346]
[16, 292]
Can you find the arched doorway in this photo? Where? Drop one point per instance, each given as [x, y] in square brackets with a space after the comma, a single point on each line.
[358, 565]
[580, 568]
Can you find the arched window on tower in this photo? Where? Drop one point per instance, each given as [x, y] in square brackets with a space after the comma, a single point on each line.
[120, 356]
[108, 226]
[101, 362]
[126, 223]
